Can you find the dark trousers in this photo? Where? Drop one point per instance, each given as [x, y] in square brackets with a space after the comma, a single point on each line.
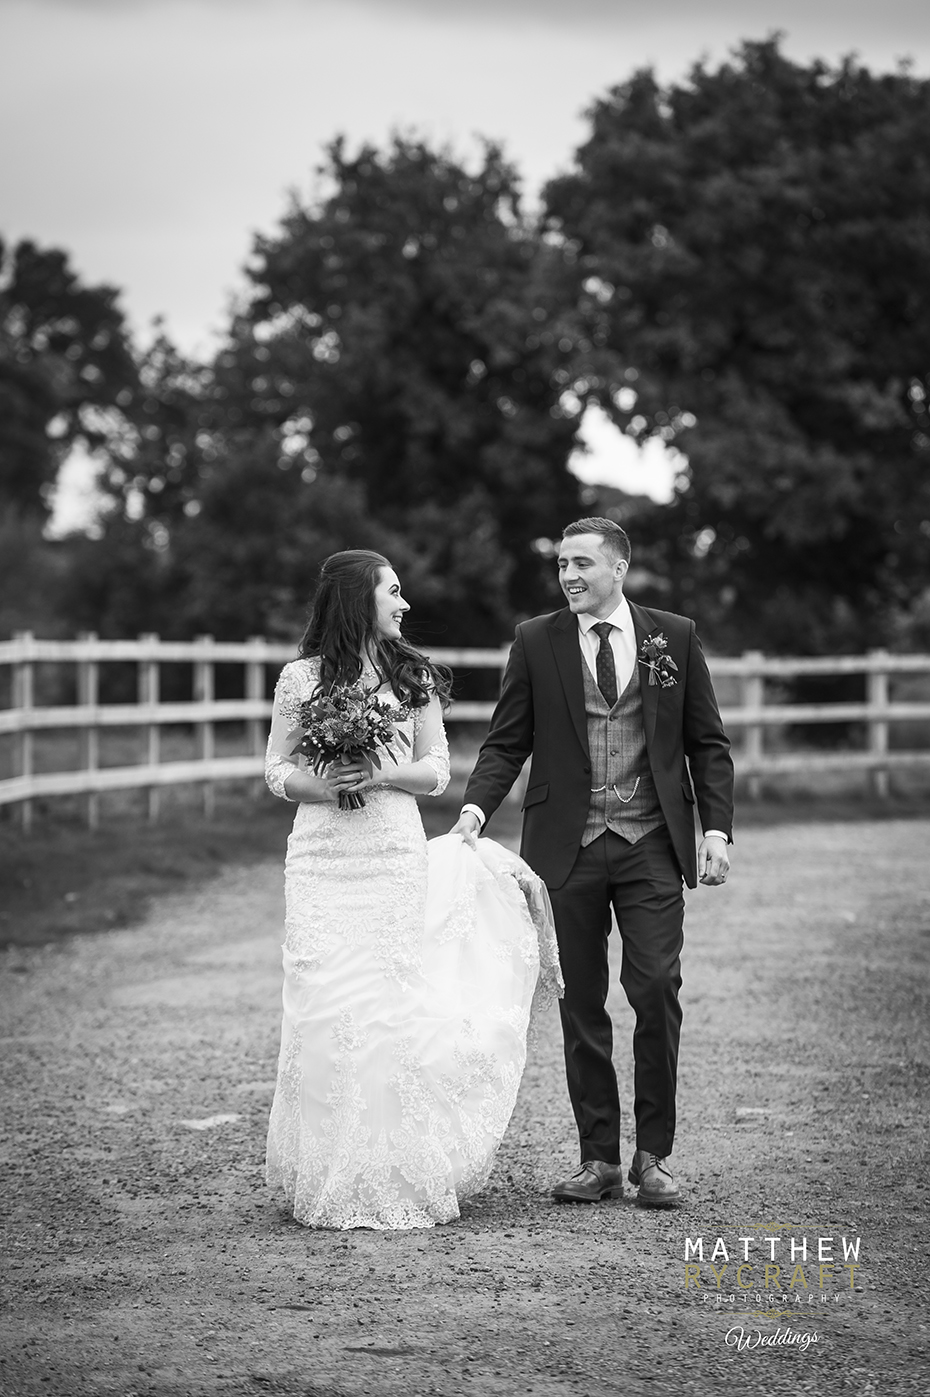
[643, 884]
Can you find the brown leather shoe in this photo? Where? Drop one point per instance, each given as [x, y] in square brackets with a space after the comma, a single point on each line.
[653, 1179]
[594, 1180]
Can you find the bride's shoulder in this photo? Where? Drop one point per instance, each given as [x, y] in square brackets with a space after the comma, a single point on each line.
[307, 664]
[300, 675]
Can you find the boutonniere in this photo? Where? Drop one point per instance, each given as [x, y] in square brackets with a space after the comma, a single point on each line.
[653, 653]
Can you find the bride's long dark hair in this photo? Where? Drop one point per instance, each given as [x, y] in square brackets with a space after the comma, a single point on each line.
[341, 628]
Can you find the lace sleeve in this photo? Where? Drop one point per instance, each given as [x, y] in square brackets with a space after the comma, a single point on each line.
[431, 744]
[288, 696]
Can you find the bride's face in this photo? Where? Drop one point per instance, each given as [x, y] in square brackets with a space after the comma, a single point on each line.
[389, 605]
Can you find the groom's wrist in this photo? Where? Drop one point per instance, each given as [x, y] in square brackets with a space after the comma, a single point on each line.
[477, 812]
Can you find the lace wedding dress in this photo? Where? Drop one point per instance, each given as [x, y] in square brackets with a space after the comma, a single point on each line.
[410, 973]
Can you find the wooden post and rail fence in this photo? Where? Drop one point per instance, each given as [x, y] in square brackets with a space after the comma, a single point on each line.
[24, 721]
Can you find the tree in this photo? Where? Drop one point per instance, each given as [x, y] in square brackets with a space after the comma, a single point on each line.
[130, 576]
[411, 344]
[754, 246]
[403, 377]
[66, 370]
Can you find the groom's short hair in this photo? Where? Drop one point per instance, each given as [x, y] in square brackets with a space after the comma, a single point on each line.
[615, 539]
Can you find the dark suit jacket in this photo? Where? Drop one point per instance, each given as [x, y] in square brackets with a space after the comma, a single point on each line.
[541, 713]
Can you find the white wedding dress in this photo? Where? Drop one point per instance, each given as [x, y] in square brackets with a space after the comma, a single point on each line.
[410, 972]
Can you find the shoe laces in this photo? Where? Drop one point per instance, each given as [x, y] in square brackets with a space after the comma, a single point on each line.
[588, 1167]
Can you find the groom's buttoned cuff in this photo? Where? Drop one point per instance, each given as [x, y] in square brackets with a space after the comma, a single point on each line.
[713, 834]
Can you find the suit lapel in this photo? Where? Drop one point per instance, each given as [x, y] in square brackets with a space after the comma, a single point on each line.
[563, 635]
[644, 623]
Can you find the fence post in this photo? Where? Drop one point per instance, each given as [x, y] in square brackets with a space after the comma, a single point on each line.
[88, 696]
[753, 696]
[877, 697]
[204, 691]
[149, 680]
[24, 699]
[255, 728]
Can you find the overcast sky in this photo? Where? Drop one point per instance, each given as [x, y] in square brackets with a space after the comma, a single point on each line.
[152, 138]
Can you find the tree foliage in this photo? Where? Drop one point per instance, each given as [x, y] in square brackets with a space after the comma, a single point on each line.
[65, 366]
[400, 378]
[409, 347]
[738, 263]
[755, 245]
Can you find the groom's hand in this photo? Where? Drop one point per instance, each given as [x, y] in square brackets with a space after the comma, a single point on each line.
[467, 826]
[713, 861]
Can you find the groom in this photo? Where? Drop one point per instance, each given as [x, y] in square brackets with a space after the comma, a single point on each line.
[610, 699]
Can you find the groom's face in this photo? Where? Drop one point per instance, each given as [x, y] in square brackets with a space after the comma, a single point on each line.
[590, 576]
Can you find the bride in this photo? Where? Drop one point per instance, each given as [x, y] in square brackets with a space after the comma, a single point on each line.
[409, 968]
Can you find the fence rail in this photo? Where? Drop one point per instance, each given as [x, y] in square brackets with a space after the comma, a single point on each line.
[25, 718]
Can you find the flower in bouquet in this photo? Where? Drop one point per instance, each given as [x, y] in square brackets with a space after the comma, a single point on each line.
[346, 724]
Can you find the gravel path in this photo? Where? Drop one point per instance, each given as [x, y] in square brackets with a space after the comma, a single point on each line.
[143, 1256]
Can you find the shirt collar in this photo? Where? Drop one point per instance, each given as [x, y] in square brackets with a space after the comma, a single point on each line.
[620, 617]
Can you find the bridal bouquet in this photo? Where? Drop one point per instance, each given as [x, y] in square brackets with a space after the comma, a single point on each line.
[347, 723]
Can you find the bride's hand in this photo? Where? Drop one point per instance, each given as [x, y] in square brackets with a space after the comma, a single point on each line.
[343, 777]
[376, 777]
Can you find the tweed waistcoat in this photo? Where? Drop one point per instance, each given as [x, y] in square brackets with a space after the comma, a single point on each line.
[618, 757]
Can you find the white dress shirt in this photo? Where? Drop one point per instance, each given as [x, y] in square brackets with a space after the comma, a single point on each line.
[622, 640]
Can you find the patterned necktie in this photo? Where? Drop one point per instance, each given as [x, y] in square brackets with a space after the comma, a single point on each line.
[606, 670]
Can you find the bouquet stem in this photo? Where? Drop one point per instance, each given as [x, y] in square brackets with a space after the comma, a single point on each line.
[351, 800]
